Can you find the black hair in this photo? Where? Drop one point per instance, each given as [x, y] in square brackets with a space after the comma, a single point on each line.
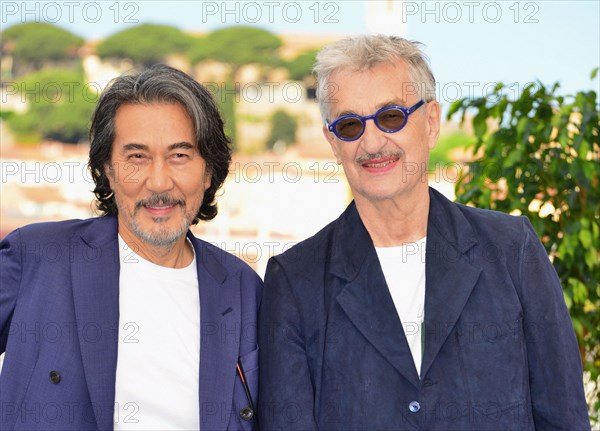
[162, 84]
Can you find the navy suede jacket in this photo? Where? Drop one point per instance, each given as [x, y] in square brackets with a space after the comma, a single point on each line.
[499, 351]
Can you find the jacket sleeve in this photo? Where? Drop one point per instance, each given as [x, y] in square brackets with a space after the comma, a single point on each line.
[286, 390]
[555, 373]
[10, 282]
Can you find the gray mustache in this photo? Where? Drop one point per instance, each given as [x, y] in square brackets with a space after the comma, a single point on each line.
[159, 199]
[371, 156]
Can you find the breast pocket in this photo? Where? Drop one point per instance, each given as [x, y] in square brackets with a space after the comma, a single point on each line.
[246, 395]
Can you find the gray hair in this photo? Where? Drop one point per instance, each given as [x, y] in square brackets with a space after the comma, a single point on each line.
[360, 53]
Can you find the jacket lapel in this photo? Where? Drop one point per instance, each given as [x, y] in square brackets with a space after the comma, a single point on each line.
[220, 328]
[95, 278]
[366, 299]
[450, 277]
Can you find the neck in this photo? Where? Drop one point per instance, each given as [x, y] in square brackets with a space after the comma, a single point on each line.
[177, 255]
[397, 221]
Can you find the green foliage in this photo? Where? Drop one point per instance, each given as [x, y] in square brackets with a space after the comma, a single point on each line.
[145, 44]
[440, 155]
[301, 66]
[35, 42]
[60, 106]
[225, 96]
[544, 151]
[5, 115]
[237, 46]
[283, 129]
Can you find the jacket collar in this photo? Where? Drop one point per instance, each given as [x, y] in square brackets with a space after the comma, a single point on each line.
[221, 327]
[450, 275]
[95, 278]
[206, 260]
[352, 242]
[95, 281]
[366, 299]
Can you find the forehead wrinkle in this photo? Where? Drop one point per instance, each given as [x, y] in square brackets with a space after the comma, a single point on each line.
[366, 73]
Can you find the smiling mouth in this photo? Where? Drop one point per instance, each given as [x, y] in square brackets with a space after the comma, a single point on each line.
[159, 210]
[160, 206]
[380, 163]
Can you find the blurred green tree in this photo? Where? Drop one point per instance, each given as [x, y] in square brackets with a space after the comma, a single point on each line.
[284, 127]
[237, 46]
[226, 101]
[301, 66]
[441, 155]
[36, 43]
[542, 159]
[60, 105]
[145, 44]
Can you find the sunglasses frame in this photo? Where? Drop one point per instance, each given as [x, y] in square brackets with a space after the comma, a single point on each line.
[407, 111]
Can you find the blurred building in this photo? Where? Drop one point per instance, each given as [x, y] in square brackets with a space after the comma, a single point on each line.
[271, 199]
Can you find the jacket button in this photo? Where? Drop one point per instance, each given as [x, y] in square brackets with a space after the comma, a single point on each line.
[247, 413]
[54, 377]
[414, 406]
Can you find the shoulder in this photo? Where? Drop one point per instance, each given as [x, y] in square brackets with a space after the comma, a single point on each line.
[215, 256]
[57, 230]
[466, 225]
[307, 252]
[495, 224]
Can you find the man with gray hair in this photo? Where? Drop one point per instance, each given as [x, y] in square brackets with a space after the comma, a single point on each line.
[410, 311]
[128, 321]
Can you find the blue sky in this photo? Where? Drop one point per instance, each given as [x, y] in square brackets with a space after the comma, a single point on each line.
[471, 44]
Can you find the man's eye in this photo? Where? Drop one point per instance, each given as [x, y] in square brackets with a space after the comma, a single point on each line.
[135, 156]
[348, 124]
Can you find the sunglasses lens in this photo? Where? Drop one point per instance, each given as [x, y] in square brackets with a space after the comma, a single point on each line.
[391, 119]
[349, 128]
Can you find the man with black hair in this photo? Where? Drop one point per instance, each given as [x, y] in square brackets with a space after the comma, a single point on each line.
[134, 323]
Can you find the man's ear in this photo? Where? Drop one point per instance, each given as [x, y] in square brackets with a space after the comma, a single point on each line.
[433, 123]
[332, 141]
[109, 172]
[207, 177]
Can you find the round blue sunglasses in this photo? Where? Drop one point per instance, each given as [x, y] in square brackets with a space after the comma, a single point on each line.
[388, 119]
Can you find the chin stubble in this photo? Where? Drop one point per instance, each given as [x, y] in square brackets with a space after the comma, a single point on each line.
[162, 237]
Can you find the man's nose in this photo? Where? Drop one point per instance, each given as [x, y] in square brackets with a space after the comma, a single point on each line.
[373, 138]
[159, 177]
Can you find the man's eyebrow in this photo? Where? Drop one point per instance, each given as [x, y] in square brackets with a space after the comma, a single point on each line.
[181, 145]
[135, 147]
[394, 102]
[347, 112]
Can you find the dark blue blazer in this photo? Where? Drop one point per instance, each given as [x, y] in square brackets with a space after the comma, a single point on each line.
[499, 352]
[59, 312]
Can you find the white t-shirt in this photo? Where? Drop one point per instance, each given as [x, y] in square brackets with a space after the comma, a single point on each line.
[159, 345]
[404, 271]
